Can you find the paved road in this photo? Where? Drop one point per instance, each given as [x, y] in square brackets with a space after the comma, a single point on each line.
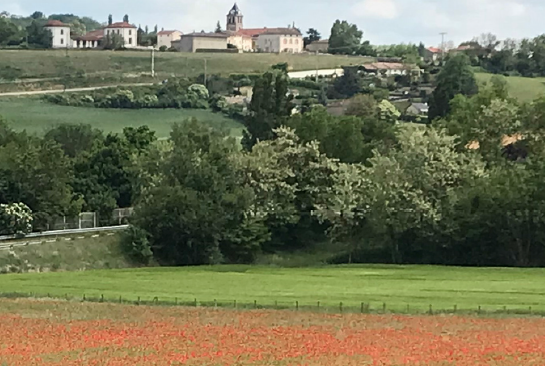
[41, 92]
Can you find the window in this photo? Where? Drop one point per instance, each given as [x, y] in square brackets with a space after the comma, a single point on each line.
[62, 32]
[296, 41]
[118, 31]
[291, 41]
[130, 40]
[108, 32]
[130, 33]
[285, 41]
[62, 40]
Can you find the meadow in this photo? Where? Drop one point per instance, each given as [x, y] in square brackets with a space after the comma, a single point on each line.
[37, 116]
[51, 333]
[51, 63]
[396, 286]
[521, 88]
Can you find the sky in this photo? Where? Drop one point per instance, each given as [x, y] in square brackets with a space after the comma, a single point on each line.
[383, 21]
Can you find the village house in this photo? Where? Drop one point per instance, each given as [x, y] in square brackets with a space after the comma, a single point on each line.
[321, 46]
[166, 37]
[265, 39]
[418, 109]
[60, 33]
[95, 39]
[201, 41]
[432, 54]
[289, 40]
[389, 68]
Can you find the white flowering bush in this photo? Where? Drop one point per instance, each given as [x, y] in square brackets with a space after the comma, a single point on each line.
[15, 219]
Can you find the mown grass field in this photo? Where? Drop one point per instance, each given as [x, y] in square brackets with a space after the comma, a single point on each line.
[57, 333]
[36, 117]
[43, 64]
[397, 286]
[524, 89]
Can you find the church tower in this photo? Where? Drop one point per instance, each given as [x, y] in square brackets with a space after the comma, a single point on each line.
[234, 19]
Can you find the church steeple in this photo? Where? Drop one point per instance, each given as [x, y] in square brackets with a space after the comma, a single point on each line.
[234, 19]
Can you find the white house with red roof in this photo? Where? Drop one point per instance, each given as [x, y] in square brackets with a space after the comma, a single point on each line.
[60, 33]
[166, 37]
[94, 39]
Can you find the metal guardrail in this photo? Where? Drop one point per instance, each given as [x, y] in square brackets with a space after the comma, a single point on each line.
[9, 242]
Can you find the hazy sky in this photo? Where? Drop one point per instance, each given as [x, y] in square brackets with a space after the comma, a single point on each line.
[383, 21]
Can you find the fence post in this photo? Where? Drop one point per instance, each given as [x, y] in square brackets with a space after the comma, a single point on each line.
[95, 219]
[102, 298]
[297, 305]
[79, 221]
[455, 308]
[361, 309]
[341, 307]
[215, 304]
[84, 298]
[235, 304]
[195, 302]
[255, 304]
[276, 304]
[431, 310]
[479, 309]
[384, 307]
[318, 305]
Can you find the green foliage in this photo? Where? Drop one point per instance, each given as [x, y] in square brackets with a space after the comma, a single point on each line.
[113, 41]
[455, 78]
[345, 38]
[74, 139]
[270, 107]
[312, 36]
[38, 36]
[347, 85]
[136, 246]
[15, 219]
[362, 105]
[9, 32]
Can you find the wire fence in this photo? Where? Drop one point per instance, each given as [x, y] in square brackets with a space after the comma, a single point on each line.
[316, 307]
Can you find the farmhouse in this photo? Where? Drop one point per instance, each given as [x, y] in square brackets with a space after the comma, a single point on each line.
[418, 109]
[60, 33]
[201, 41]
[95, 39]
[166, 37]
[388, 68]
[321, 46]
[432, 54]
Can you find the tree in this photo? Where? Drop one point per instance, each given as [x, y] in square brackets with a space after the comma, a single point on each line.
[110, 19]
[37, 15]
[8, 32]
[270, 107]
[349, 84]
[198, 211]
[345, 38]
[113, 42]
[75, 139]
[218, 27]
[126, 18]
[362, 105]
[38, 36]
[455, 78]
[312, 36]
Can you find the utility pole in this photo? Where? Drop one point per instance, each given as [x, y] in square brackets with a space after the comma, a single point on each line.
[152, 62]
[443, 34]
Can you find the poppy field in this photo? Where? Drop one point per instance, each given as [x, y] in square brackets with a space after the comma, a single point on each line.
[71, 333]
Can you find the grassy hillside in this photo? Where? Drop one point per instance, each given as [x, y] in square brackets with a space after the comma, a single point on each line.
[417, 286]
[36, 116]
[524, 89]
[65, 254]
[43, 64]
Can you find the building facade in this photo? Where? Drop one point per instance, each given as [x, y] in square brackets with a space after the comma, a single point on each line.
[321, 46]
[241, 41]
[278, 40]
[201, 41]
[60, 33]
[165, 38]
[128, 32]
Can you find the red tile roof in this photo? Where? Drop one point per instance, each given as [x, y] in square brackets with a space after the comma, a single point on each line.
[167, 32]
[95, 35]
[55, 23]
[434, 50]
[252, 32]
[121, 25]
[386, 66]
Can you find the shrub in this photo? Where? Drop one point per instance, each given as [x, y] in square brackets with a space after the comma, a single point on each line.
[163, 48]
[199, 90]
[136, 246]
[15, 219]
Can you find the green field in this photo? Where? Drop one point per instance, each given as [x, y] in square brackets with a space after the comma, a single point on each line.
[417, 286]
[43, 64]
[524, 89]
[36, 117]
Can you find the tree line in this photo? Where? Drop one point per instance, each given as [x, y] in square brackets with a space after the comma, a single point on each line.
[463, 190]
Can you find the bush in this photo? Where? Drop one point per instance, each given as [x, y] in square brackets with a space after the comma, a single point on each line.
[199, 90]
[15, 219]
[136, 246]
[163, 48]
[306, 83]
